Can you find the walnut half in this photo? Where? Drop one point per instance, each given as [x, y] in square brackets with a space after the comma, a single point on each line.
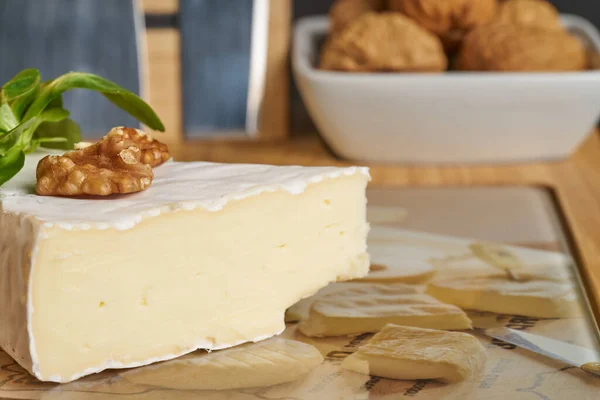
[121, 162]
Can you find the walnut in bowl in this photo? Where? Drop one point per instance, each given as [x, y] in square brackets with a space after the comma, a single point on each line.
[534, 13]
[343, 12]
[449, 19]
[508, 47]
[383, 42]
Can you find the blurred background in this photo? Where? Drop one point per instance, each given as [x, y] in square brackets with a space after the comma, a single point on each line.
[301, 122]
[202, 63]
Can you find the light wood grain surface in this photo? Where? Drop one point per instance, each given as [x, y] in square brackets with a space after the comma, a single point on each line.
[163, 57]
[274, 123]
[575, 182]
[160, 6]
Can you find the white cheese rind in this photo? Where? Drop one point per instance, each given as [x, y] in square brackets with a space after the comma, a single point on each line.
[176, 186]
[71, 300]
[18, 238]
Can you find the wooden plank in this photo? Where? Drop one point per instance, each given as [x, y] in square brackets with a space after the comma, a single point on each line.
[160, 6]
[164, 71]
[274, 122]
[576, 183]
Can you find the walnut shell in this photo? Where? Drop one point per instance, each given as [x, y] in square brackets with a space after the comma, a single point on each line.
[383, 42]
[449, 19]
[507, 47]
[537, 13]
[342, 12]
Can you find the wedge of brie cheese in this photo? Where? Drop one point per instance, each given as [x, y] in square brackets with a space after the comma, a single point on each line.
[500, 294]
[270, 362]
[369, 308]
[209, 257]
[402, 352]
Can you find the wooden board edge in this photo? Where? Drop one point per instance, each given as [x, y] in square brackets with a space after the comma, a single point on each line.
[577, 188]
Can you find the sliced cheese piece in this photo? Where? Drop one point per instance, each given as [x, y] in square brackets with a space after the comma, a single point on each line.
[267, 363]
[453, 255]
[401, 352]
[369, 308]
[210, 256]
[475, 267]
[300, 310]
[540, 299]
[498, 256]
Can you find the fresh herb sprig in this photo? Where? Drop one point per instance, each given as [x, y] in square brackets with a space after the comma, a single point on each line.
[32, 114]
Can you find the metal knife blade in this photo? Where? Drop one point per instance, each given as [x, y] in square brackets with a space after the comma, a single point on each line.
[586, 359]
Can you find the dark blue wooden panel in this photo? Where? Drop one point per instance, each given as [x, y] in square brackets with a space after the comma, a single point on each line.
[216, 41]
[57, 36]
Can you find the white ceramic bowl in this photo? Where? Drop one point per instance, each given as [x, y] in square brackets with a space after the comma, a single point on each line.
[455, 117]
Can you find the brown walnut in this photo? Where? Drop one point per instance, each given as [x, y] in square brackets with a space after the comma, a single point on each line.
[121, 162]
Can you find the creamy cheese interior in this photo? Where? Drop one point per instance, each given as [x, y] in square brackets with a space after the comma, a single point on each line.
[188, 280]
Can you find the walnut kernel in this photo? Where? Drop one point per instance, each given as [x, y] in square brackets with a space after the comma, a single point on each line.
[384, 42]
[121, 162]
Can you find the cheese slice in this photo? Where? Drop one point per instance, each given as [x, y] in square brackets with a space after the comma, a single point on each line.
[401, 352]
[300, 310]
[267, 363]
[369, 308]
[209, 257]
[500, 294]
[455, 256]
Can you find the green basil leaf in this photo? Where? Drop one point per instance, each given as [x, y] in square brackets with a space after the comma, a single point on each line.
[66, 131]
[10, 164]
[7, 118]
[22, 84]
[54, 114]
[122, 98]
[35, 143]
[21, 134]
[19, 106]
[56, 102]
